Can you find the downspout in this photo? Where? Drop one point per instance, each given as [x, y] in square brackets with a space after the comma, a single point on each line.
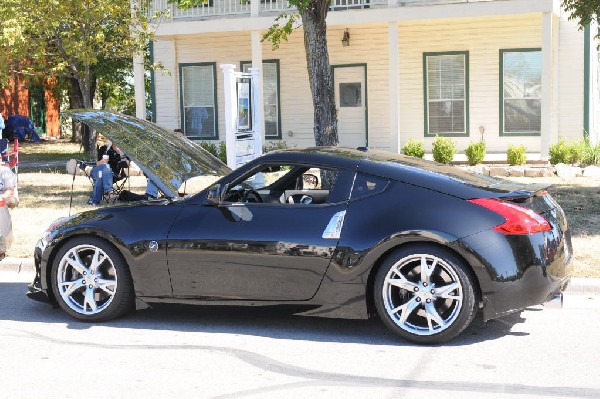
[586, 81]
[152, 86]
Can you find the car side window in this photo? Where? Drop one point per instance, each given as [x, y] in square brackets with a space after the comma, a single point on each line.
[285, 184]
[365, 185]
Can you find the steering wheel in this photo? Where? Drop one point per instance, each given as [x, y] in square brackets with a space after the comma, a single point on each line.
[300, 199]
[251, 193]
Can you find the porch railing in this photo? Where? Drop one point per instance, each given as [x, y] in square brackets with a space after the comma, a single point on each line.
[213, 8]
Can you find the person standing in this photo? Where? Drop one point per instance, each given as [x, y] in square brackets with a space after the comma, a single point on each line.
[9, 199]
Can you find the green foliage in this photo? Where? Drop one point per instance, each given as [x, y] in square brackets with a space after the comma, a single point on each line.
[219, 151]
[414, 148]
[568, 152]
[70, 39]
[475, 152]
[443, 149]
[585, 11]
[515, 155]
[275, 146]
[281, 29]
[76, 44]
[591, 154]
[558, 152]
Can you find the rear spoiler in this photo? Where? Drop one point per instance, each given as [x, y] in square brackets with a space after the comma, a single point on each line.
[536, 190]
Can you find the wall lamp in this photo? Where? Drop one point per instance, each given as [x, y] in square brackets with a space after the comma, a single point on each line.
[346, 38]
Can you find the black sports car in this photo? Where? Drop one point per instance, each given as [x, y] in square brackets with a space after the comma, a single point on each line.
[336, 232]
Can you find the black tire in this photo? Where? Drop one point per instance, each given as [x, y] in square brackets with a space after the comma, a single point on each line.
[91, 280]
[425, 308]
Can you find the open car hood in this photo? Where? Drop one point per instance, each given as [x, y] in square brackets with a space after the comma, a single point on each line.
[166, 158]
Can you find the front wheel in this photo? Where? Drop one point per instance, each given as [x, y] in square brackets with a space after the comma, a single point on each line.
[425, 294]
[91, 281]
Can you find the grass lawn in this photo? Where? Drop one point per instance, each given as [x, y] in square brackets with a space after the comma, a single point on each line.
[45, 195]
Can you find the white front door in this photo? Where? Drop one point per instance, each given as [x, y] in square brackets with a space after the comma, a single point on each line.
[351, 104]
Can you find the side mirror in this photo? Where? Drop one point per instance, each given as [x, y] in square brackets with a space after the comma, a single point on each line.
[213, 195]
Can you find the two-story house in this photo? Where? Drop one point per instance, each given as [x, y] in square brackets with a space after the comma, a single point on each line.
[510, 71]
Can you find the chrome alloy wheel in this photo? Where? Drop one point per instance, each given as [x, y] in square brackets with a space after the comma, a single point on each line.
[86, 279]
[422, 294]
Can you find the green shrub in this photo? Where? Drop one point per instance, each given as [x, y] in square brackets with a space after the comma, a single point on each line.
[516, 155]
[572, 153]
[475, 152]
[591, 154]
[275, 146]
[219, 151]
[577, 151]
[222, 152]
[414, 148]
[443, 149]
[558, 152]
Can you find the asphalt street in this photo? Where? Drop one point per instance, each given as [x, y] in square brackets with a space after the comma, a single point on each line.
[221, 352]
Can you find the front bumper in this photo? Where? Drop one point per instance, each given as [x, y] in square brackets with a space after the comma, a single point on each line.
[36, 290]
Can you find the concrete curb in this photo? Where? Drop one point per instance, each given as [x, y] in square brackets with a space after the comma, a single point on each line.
[578, 285]
[17, 265]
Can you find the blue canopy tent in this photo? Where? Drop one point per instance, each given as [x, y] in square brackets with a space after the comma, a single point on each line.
[19, 127]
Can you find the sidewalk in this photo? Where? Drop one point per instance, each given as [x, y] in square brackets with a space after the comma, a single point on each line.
[578, 286]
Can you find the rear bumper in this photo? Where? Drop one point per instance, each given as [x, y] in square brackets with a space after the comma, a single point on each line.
[528, 270]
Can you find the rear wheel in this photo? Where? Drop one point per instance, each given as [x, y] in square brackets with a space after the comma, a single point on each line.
[425, 294]
[91, 280]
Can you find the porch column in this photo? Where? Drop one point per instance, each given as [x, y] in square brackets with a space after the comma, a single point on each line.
[257, 61]
[139, 86]
[549, 129]
[230, 107]
[254, 8]
[394, 87]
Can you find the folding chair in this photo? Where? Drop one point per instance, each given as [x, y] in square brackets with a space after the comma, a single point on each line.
[10, 159]
[119, 179]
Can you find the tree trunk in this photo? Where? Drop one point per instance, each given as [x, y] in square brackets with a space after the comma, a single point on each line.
[319, 74]
[75, 102]
[87, 86]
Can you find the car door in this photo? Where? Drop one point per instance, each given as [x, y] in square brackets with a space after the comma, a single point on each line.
[254, 251]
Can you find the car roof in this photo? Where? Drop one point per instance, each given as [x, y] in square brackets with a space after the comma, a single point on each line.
[415, 171]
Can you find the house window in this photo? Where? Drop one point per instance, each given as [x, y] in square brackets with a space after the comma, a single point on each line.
[446, 86]
[520, 85]
[270, 97]
[198, 100]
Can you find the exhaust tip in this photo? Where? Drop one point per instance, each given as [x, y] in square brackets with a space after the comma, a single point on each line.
[555, 302]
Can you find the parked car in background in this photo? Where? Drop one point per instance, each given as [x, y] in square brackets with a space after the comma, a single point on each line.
[336, 232]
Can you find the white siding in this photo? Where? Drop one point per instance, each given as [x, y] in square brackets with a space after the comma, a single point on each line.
[482, 37]
[167, 108]
[570, 80]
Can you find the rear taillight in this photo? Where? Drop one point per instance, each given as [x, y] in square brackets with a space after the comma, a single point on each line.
[519, 220]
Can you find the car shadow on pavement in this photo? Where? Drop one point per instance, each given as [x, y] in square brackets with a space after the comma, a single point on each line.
[274, 322]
